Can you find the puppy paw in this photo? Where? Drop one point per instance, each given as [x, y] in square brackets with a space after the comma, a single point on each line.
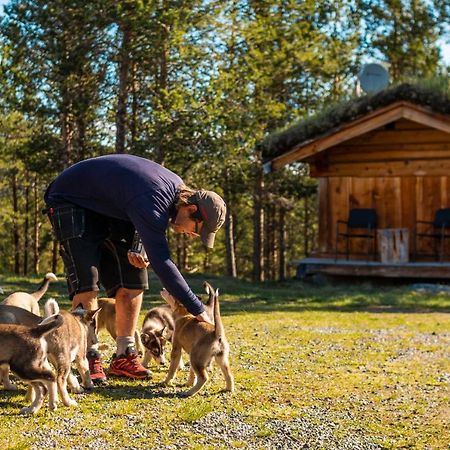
[77, 390]
[27, 411]
[185, 394]
[70, 403]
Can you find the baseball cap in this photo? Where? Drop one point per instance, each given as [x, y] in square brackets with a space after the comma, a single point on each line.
[213, 211]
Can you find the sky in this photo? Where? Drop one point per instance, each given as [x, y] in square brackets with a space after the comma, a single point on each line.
[445, 47]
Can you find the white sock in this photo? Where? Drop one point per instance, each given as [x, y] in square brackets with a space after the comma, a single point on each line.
[123, 343]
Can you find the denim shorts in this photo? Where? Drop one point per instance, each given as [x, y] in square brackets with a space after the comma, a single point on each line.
[94, 251]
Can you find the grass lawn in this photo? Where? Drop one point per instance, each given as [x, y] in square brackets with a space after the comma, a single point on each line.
[354, 366]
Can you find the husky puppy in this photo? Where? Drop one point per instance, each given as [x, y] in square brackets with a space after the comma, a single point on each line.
[202, 341]
[157, 329]
[69, 344]
[30, 301]
[24, 351]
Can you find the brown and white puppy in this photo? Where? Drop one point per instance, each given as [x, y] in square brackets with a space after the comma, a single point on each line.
[30, 302]
[202, 341]
[157, 329]
[24, 351]
[70, 343]
[106, 320]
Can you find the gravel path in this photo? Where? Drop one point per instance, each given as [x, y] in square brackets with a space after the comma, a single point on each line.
[313, 431]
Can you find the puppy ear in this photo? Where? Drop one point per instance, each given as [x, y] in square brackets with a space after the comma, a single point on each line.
[166, 333]
[145, 338]
[90, 316]
[78, 311]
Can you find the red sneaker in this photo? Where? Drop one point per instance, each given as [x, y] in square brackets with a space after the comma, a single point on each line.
[95, 367]
[128, 366]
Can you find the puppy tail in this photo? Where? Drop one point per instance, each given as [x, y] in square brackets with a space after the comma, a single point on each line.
[47, 325]
[51, 307]
[209, 305]
[42, 289]
[218, 326]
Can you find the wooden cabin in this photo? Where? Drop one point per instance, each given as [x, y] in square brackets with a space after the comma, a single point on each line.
[393, 157]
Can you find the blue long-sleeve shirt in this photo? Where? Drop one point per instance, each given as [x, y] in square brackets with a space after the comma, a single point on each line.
[137, 190]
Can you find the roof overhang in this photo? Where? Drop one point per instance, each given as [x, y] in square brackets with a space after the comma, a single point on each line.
[358, 127]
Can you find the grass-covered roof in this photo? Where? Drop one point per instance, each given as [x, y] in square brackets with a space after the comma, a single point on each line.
[434, 95]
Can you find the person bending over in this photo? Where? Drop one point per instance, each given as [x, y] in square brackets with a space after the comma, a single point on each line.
[99, 209]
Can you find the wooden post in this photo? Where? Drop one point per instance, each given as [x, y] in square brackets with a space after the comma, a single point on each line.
[393, 245]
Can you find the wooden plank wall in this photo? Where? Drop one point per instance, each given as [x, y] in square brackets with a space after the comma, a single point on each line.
[400, 170]
[399, 202]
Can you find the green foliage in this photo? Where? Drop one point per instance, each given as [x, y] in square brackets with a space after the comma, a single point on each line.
[405, 33]
[195, 85]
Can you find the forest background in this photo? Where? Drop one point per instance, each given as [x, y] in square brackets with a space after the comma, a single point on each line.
[194, 85]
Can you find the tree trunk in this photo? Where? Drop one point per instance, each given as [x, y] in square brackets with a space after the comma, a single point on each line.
[37, 225]
[306, 226]
[134, 108]
[229, 233]
[122, 100]
[162, 88]
[282, 243]
[270, 242]
[16, 236]
[81, 139]
[67, 138]
[258, 224]
[26, 230]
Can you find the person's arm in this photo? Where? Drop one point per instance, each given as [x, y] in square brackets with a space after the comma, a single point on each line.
[158, 253]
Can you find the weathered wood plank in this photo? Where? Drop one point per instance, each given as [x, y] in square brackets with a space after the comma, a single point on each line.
[339, 206]
[439, 167]
[383, 137]
[309, 266]
[389, 152]
[324, 215]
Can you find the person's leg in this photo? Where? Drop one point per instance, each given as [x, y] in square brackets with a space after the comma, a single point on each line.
[128, 307]
[126, 284]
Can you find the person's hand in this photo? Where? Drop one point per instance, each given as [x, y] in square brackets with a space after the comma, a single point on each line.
[137, 260]
[203, 317]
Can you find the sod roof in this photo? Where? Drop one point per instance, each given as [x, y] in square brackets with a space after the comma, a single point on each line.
[436, 97]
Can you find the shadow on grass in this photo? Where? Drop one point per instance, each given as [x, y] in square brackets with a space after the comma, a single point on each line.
[127, 390]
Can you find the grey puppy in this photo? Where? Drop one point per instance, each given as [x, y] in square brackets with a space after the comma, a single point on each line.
[24, 351]
[66, 344]
[157, 329]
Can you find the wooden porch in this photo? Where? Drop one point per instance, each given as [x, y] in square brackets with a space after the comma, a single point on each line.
[358, 268]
